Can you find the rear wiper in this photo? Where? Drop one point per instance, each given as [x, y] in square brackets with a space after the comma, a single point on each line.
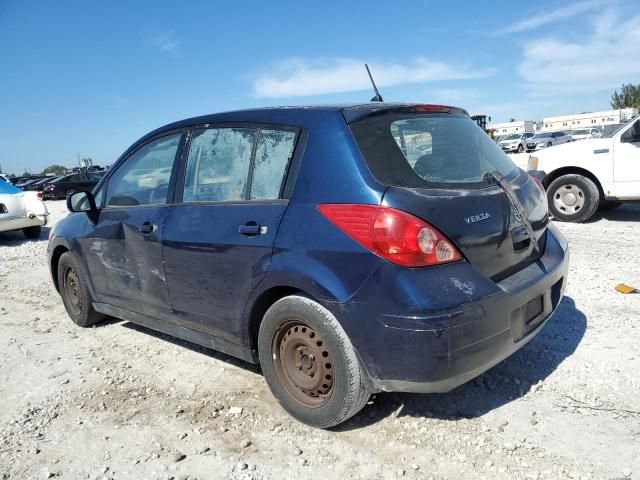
[515, 203]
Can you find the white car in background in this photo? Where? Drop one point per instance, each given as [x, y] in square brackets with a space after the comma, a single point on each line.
[600, 172]
[515, 142]
[586, 133]
[546, 139]
[21, 210]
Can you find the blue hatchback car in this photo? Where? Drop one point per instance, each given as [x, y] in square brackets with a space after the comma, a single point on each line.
[346, 249]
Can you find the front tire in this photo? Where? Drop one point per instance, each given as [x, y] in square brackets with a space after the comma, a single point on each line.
[309, 363]
[32, 232]
[520, 148]
[573, 198]
[74, 290]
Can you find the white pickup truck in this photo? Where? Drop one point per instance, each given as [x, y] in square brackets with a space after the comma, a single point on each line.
[582, 176]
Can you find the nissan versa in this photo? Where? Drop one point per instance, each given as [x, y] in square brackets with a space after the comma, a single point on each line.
[346, 249]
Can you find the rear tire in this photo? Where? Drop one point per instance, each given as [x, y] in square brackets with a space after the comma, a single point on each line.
[298, 340]
[32, 232]
[573, 198]
[549, 144]
[74, 291]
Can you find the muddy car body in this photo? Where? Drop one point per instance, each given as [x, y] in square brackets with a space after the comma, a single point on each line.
[317, 242]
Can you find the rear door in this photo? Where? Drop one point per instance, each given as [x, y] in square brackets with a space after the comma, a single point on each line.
[438, 167]
[219, 238]
[123, 249]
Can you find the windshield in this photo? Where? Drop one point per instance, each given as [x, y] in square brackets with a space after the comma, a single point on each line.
[429, 149]
[612, 134]
[8, 189]
[513, 136]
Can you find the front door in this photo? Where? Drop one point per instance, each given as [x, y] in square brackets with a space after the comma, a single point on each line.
[626, 167]
[219, 239]
[124, 248]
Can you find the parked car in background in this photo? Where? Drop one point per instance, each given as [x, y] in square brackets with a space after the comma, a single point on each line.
[515, 142]
[21, 210]
[582, 176]
[24, 184]
[38, 185]
[70, 184]
[312, 241]
[546, 139]
[586, 133]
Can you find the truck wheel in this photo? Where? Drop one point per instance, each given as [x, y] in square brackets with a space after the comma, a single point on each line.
[309, 363]
[75, 293]
[32, 232]
[573, 198]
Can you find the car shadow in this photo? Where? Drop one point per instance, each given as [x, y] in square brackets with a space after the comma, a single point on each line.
[629, 212]
[509, 380]
[16, 237]
[236, 362]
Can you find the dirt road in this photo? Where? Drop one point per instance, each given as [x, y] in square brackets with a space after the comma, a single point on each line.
[122, 402]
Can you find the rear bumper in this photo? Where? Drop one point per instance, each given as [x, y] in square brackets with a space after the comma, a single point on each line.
[18, 223]
[422, 345]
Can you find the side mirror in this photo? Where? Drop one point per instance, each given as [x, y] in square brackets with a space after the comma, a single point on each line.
[83, 202]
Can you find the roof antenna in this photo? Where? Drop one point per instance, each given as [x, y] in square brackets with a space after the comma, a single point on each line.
[377, 97]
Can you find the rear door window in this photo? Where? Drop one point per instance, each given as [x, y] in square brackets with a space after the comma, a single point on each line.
[432, 149]
[231, 164]
[218, 164]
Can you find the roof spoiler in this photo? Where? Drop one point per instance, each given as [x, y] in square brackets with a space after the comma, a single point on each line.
[358, 112]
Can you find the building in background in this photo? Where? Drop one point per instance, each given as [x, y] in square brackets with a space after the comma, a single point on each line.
[506, 128]
[587, 120]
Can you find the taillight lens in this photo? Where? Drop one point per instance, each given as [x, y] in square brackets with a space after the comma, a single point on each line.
[394, 235]
[40, 195]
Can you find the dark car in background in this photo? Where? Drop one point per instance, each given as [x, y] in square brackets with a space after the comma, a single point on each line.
[26, 182]
[69, 184]
[346, 249]
[38, 185]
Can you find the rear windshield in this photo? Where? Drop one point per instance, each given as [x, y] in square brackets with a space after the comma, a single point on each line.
[429, 150]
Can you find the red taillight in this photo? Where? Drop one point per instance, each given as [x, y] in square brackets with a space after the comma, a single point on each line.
[394, 235]
[40, 195]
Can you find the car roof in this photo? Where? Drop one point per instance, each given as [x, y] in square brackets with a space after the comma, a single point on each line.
[291, 115]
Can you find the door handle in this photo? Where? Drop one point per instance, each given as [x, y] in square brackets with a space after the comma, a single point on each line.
[146, 228]
[251, 228]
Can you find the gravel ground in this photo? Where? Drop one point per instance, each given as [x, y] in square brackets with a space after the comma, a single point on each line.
[121, 402]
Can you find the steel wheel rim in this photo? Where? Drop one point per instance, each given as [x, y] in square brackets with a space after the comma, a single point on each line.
[568, 199]
[303, 363]
[72, 290]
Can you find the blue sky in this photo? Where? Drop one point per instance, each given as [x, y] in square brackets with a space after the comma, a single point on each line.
[89, 78]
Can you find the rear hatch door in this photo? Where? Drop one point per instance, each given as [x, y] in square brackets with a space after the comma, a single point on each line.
[441, 167]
